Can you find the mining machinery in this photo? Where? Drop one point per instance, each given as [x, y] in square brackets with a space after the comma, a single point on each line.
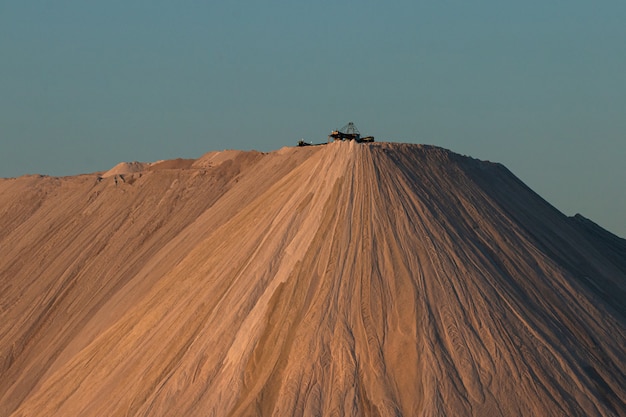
[349, 132]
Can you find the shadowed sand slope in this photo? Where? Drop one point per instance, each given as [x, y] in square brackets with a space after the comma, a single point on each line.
[347, 279]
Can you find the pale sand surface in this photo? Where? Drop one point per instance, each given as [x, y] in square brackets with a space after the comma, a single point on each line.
[346, 279]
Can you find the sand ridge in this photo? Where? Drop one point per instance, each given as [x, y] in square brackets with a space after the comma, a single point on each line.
[347, 279]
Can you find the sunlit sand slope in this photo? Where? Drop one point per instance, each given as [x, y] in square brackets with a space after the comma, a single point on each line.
[347, 279]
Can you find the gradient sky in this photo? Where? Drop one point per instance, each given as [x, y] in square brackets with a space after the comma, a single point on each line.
[539, 86]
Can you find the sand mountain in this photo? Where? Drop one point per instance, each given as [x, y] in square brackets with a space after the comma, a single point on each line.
[347, 279]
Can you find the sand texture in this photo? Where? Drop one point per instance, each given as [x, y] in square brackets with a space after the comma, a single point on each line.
[340, 280]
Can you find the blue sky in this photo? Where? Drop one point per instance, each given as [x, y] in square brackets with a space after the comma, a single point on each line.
[539, 86]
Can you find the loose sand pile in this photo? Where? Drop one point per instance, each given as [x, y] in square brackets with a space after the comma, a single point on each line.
[125, 168]
[345, 279]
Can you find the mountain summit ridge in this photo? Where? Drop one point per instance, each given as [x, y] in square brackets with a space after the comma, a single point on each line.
[345, 279]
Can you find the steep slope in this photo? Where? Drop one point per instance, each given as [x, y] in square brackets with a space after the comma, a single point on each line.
[348, 279]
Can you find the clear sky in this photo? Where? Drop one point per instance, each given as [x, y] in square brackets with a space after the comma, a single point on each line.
[539, 86]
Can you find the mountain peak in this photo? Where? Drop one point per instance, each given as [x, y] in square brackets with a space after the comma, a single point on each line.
[348, 279]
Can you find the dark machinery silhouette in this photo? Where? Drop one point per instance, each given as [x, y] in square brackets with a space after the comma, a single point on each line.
[349, 132]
